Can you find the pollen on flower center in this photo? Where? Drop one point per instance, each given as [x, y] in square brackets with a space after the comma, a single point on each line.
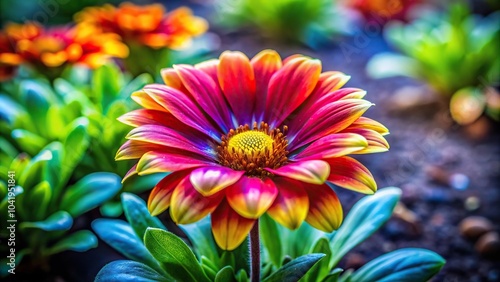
[253, 149]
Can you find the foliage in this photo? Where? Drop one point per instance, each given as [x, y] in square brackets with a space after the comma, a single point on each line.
[450, 51]
[37, 199]
[306, 254]
[307, 21]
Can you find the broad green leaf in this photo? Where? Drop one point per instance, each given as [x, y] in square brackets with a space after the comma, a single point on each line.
[39, 197]
[321, 269]
[33, 173]
[174, 255]
[91, 191]
[226, 274]
[119, 235]
[333, 276]
[28, 141]
[404, 265]
[107, 81]
[209, 268]
[137, 214]
[271, 239]
[37, 97]
[242, 276]
[10, 109]
[59, 221]
[200, 236]
[111, 209]
[80, 241]
[129, 271]
[136, 84]
[76, 142]
[365, 217]
[295, 269]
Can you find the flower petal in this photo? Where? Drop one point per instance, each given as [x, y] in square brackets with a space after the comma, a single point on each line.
[131, 172]
[159, 198]
[237, 81]
[251, 196]
[153, 162]
[145, 116]
[171, 78]
[143, 99]
[332, 146]
[209, 67]
[325, 210]
[311, 171]
[188, 205]
[132, 149]
[264, 64]
[376, 142]
[185, 110]
[291, 206]
[207, 94]
[348, 173]
[212, 179]
[289, 87]
[368, 123]
[161, 135]
[229, 228]
[331, 118]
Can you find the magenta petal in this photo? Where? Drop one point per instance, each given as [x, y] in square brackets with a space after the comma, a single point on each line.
[153, 162]
[207, 94]
[165, 136]
[333, 146]
[185, 110]
[329, 119]
[212, 179]
[311, 171]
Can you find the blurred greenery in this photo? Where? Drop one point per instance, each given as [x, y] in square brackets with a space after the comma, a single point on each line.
[307, 21]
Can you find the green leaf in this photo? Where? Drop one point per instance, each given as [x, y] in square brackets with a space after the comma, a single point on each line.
[28, 141]
[389, 64]
[37, 97]
[80, 241]
[365, 217]
[137, 214]
[333, 276]
[91, 191]
[128, 271]
[59, 221]
[138, 83]
[76, 142]
[174, 255]
[295, 269]
[404, 265]
[226, 274]
[121, 237]
[200, 236]
[39, 197]
[321, 269]
[111, 209]
[271, 239]
[107, 81]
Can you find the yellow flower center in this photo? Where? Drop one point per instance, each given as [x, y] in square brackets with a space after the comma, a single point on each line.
[253, 149]
[250, 142]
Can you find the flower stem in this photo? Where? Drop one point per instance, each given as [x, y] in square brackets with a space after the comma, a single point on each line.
[255, 252]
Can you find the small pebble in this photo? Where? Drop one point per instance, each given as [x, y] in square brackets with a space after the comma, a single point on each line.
[472, 203]
[488, 244]
[474, 226]
[459, 181]
[354, 260]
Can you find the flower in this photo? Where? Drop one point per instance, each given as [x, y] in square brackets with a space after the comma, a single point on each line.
[383, 10]
[56, 46]
[244, 137]
[9, 60]
[148, 25]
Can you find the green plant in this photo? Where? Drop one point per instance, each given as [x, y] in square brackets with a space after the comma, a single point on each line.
[306, 254]
[35, 113]
[307, 21]
[39, 201]
[450, 51]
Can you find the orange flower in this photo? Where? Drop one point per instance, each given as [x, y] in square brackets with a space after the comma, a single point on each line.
[9, 60]
[84, 44]
[148, 25]
[393, 9]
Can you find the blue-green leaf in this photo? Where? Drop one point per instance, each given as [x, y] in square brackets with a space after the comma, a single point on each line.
[365, 217]
[138, 215]
[200, 235]
[59, 221]
[90, 192]
[174, 255]
[119, 235]
[271, 239]
[80, 241]
[295, 269]
[404, 265]
[129, 271]
[226, 274]
[28, 141]
[321, 269]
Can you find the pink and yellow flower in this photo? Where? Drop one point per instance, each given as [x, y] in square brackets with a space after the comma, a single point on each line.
[148, 25]
[54, 47]
[246, 137]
